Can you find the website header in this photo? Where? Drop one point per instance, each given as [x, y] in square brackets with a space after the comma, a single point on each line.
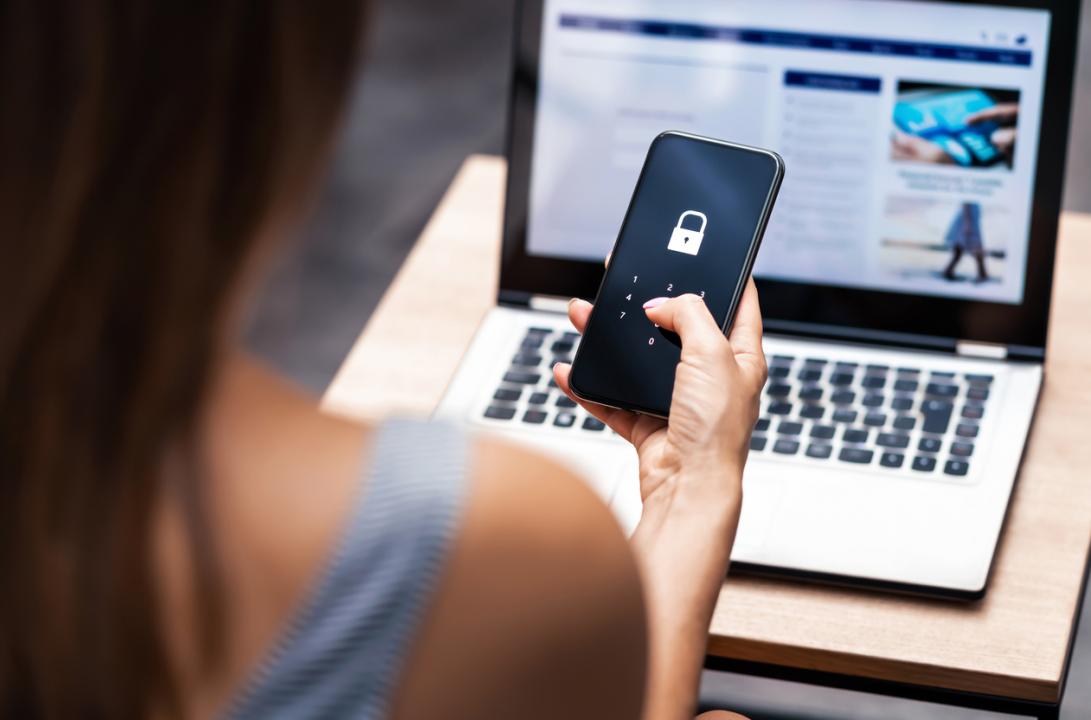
[798, 40]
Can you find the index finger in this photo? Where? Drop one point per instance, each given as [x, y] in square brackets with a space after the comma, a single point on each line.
[996, 112]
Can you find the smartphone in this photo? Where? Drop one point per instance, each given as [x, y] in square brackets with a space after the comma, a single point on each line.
[694, 225]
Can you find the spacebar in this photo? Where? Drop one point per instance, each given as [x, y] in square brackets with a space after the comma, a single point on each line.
[937, 416]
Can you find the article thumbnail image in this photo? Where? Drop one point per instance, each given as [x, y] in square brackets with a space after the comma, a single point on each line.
[945, 242]
[954, 125]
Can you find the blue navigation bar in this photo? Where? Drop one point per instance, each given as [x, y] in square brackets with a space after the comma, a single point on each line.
[798, 40]
[827, 81]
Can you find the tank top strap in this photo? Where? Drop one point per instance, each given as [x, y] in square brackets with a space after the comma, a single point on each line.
[344, 652]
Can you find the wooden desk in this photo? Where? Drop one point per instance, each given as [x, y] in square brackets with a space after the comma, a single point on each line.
[1014, 644]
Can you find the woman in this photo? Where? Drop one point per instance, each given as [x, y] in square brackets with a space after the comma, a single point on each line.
[964, 236]
[184, 534]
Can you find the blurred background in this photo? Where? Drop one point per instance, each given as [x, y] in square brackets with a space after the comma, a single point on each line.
[432, 90]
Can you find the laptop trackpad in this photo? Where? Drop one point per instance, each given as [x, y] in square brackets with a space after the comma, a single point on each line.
[763, 491]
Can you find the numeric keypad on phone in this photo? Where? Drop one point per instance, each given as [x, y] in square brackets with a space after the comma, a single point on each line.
[639, 292]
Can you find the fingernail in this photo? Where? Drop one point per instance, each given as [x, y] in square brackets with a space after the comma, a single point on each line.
[655, 302]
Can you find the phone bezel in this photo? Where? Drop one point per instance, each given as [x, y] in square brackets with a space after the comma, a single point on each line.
[740, 285]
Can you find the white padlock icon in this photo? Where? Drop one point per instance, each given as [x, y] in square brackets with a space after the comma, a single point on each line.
[688, 241]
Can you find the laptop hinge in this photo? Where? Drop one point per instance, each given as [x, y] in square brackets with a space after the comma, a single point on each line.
[548, 303]
[989, 351]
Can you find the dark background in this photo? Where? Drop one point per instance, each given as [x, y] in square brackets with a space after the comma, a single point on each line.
[432, 90]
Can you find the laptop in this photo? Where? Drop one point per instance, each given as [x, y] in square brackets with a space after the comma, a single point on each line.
[905, 276]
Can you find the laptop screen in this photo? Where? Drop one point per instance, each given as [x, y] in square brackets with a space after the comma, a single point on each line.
[910, 130]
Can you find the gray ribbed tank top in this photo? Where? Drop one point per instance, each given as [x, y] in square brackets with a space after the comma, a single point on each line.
[343, 653]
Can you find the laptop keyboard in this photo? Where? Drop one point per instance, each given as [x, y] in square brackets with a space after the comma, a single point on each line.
[821, 409]
[871, 415]
[527, 393]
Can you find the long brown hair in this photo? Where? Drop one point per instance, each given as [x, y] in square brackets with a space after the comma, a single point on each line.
[144, 146]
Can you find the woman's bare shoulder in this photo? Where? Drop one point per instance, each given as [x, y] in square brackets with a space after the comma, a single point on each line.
[539, 613]
[280, 481]
[540, 599]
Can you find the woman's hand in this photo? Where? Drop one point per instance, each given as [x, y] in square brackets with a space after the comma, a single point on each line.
[690, 481]
[714, 406]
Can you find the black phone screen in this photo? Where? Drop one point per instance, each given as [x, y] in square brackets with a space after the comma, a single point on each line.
[693, 226]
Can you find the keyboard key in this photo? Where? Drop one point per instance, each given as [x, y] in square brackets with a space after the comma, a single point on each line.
[875, 419]
[778, 372]
[778, 390]
[538, 398]
[820, 362]
[809, 374]
[892, 440]
[538, 331]
[956, 467]
[812, 412]
[761, 425]
[757, 442]
[517, 377]
[593, 424]
[966, 430]
[821, 452]
[534, 417]
[786, 447]
[909, 371]
[843, 397]
[844, 416]
[823, 432]
[923, 463]
[788, 359]
[564, 420]
[941, 389]
[942, 375]
[937, 416]
[891, 459]
[787, 427]
[780, 408]
[906, 385]
[905, 422]
[527, 359]
[962, 449]
[811, 393]
[841, 379]
[980, 394]
[877, 368]
[565, 402]
[979, 379]
[901, 403]
[507, 395]
[532, 342]
[930, 445]
[842, 366]
[973, 412]
[494, 412]
[570, 336]
[855, 436]
[856, 455]
[562, 347]
[874, 382]
[873, 400]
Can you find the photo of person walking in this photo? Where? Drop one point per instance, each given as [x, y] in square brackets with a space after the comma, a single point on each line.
[964, 236]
